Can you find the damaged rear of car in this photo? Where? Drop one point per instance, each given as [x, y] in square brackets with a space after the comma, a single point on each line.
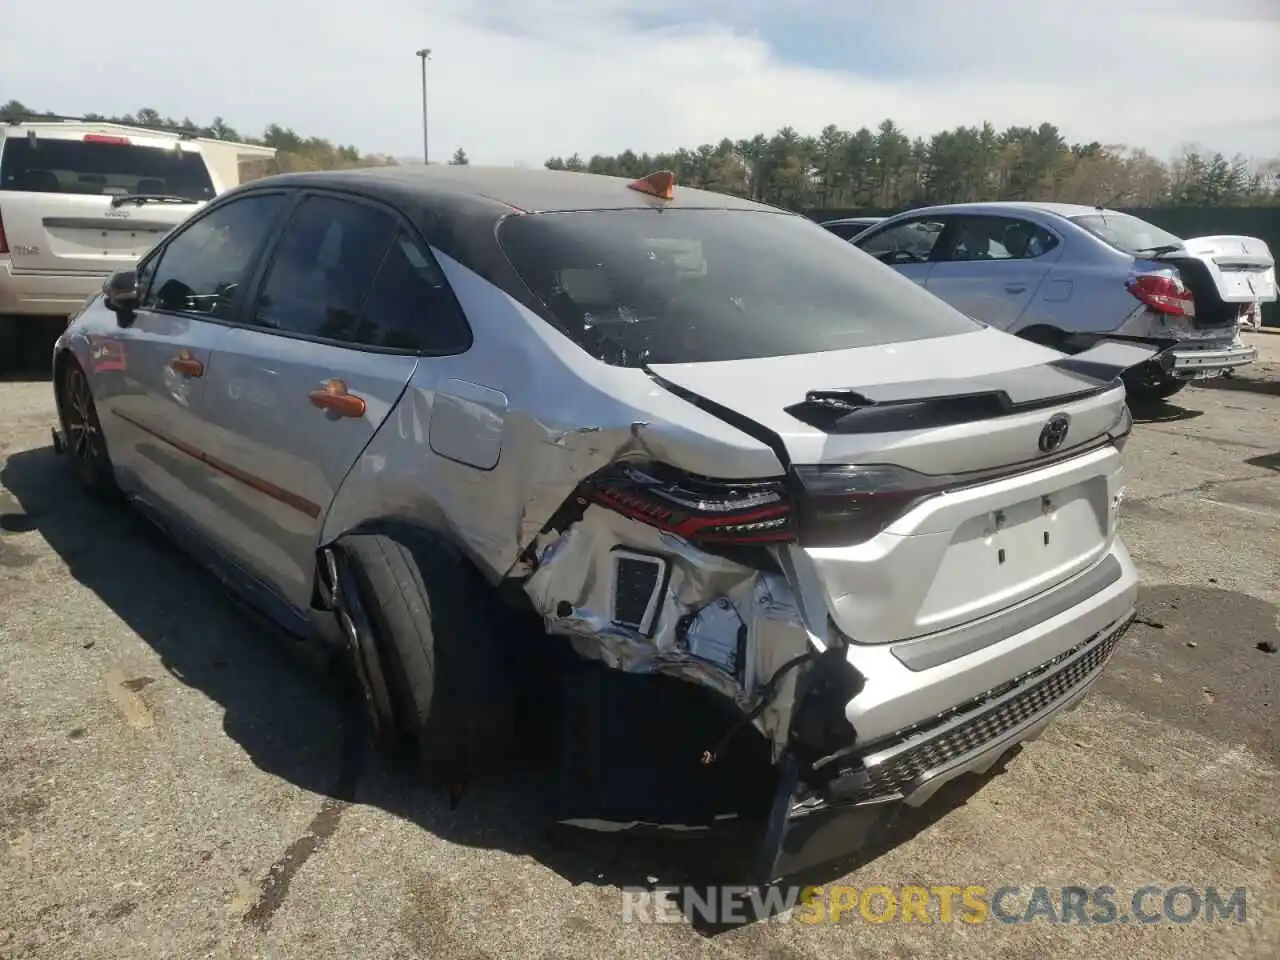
[918, 569]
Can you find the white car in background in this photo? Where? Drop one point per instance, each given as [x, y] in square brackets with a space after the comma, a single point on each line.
[80, 200]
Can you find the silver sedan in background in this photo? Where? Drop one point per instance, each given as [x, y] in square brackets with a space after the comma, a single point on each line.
[1066, 275]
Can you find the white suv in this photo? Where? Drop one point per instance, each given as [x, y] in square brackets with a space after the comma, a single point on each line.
[81, 200]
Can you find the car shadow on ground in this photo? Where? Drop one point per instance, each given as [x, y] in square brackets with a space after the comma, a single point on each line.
[1244, 384]
[298, 722]
[1160, 411]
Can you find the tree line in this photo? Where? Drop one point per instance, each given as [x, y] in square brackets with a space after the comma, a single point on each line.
[861, 170]
[885, 170]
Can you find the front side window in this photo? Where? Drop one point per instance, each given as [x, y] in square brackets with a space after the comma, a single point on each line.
[671, 286]
[100, 165]
[203, 268]
[323, 269]
[910, 242]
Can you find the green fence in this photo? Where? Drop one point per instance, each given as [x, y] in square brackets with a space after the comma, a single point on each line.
[1260, 222]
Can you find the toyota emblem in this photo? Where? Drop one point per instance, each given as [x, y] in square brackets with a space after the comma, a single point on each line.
[1054, 432]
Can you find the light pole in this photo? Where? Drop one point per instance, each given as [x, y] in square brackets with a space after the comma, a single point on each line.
[424, 55]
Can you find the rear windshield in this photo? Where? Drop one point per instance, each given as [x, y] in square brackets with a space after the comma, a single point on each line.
[677, 286]
[1127, 233]
[101, 168]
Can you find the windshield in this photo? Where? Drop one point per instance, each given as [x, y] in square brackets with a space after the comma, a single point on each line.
[1127, 233]
[675, 286]
[102, 168]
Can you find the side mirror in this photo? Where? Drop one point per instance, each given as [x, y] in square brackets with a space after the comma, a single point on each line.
[120, 292]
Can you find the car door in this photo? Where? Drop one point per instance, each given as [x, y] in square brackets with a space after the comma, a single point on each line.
[189, 286]
[991, 267]
[297, 389]
[908, 245]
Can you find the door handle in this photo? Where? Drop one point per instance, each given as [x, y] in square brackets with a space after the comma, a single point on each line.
[184, 362]
[1015, 288]
[334, 398]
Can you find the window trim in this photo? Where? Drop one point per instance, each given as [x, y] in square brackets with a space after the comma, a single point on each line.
[264, 256]
[956, 224]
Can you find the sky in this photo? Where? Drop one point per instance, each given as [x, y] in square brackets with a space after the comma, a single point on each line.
[517, 81]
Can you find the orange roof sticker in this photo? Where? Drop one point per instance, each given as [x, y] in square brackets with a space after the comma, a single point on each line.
[661, 185]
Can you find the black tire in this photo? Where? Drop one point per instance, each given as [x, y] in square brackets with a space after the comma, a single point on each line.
[86, 445]
[1149, 384]
[434, 636]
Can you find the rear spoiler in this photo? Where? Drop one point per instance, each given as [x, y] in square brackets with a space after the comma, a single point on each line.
[920, 404]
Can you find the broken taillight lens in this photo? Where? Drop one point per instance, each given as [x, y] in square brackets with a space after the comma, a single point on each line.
[697, 509]
[1163, 292]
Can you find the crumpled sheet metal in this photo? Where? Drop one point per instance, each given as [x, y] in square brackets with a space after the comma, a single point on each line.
[576, 568]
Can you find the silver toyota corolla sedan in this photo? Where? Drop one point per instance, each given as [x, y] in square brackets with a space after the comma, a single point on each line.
[1065, 275]
[814, 541]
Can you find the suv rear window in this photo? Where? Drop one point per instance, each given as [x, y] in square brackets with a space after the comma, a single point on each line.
[54, 165]
[1126, 233]
[676, 286]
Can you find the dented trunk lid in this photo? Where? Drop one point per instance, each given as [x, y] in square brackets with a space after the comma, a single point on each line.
[1031, 521]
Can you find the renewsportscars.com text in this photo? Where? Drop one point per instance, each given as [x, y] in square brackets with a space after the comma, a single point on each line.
[941, 904]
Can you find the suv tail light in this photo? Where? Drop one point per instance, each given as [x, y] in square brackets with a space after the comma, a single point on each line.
[1163, 292]
[699, 510]
[4, 241]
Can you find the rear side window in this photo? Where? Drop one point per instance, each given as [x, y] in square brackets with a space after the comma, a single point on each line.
[999, 238]
[108, 165]
[1127, 233]
[323, 270]
[411, 306]
[203, 268]
[674, 286]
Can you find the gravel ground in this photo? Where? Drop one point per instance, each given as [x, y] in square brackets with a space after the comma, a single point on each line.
[173, 783]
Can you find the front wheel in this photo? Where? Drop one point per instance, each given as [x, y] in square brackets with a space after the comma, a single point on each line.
[86, 445]
[1149, 382]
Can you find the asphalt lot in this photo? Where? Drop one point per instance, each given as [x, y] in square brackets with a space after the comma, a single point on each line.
[175, 784]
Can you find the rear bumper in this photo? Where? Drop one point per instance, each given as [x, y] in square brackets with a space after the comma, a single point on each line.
[44, 295]
[1194, 361]
[809, 828]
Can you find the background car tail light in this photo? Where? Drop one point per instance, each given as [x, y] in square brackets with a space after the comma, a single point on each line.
[845, 504]
[105, 138]
[4, 241]
[1162, 292]
[697, 509]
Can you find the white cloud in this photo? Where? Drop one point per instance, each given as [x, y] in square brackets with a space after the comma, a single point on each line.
[520, 81]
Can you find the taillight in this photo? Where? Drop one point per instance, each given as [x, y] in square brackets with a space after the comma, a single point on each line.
[4, 241]
[844, 504]
[105, 138]
[1123, 427]
[1163, 292]
[699, 510]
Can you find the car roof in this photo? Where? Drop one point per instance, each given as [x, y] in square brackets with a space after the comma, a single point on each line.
[1005, 206]
[506, 189]
[841, 220]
